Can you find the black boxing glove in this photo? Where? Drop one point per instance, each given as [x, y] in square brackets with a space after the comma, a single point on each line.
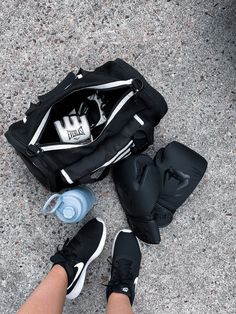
[138, 184]
[151, 191]
[181, 170]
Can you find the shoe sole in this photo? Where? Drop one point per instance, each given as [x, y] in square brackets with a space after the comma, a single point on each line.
[79, 285]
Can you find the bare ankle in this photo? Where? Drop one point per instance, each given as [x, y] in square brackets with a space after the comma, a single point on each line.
[119, 296]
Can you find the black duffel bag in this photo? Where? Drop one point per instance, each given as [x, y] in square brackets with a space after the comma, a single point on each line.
[120, 110]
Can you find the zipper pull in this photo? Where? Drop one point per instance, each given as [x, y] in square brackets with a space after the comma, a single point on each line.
[137, 85]
[32, 150]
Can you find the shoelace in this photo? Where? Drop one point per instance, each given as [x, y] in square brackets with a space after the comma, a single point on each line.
[62, 254]
[121, 273]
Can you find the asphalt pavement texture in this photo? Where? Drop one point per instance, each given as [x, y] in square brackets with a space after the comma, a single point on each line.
[186, 50]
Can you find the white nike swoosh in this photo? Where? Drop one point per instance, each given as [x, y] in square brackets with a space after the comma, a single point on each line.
[80, 266]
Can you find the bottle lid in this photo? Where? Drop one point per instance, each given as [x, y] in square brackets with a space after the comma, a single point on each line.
[68, 212]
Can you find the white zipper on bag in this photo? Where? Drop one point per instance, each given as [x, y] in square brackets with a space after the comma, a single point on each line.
[111, 84]
[39, 129]
[119, 106]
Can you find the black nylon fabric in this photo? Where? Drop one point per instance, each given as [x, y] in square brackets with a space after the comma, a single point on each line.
[82, 161]
[103, 152]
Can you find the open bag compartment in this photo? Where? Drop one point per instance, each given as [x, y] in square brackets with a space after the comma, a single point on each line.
[82, 103]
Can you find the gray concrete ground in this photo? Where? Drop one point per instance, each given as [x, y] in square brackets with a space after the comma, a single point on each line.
[185, 49]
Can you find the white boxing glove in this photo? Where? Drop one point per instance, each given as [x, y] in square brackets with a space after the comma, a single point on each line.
[73, 129]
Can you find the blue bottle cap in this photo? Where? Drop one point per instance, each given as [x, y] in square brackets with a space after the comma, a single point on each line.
[68, 212]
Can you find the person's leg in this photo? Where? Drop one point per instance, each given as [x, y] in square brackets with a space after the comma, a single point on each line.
[66, 278]
[118, 303]
[49, 296]
[126, 259]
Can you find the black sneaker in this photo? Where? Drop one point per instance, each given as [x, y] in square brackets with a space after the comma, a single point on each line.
[77, 254]
[126, 259]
